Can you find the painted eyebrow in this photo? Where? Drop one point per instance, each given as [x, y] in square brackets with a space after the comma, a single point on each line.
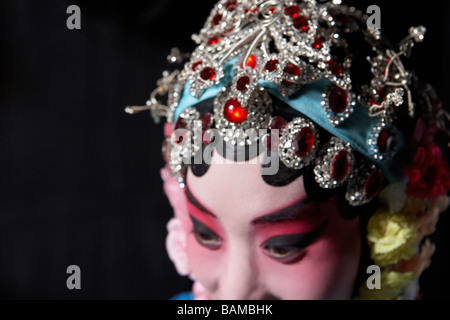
[194, 201]
[289, 213]
[199, 226]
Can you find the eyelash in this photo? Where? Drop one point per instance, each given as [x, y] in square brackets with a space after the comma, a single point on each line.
[288, 254]
[205, 236]
[210, 241]
[289, 248]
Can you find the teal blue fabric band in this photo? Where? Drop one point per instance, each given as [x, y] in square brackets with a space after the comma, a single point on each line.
[188, 100]
[356, 129]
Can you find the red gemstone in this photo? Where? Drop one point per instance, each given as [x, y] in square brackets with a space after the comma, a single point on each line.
[195, 65]
[181, 124]
[338, 100]
[216, 19]
[335, 68]
[317, 44]
[251, 61]
[242, 83]
[269, 142]
[234, 112]
[230, 5]
[272, 145]
[373, 184]
[206, 121]
[271, 65]
[207, 74]
[292, 11]
[278, 123]
[179, 136]
[214, 40]
[291, 69]
[437, 104]
[303, 141]
[340, 165]
[206, 125]
[382, 93]
[385, 140]
[207, 137]
[301, 23]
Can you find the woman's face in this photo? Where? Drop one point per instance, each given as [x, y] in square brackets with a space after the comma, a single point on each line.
[250, 240]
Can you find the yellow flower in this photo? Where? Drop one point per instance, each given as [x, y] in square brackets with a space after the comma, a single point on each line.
[392, 284]
[392, 237]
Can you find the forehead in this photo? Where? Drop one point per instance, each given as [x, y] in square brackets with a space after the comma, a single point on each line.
[237, 188]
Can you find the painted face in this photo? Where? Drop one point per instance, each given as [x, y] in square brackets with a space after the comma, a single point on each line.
[250, 240]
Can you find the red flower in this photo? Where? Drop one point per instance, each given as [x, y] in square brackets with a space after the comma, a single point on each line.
[429, 174]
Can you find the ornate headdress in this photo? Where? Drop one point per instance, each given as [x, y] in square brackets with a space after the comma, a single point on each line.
[303, 53]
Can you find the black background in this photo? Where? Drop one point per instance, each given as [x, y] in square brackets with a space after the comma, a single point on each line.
[79, 178]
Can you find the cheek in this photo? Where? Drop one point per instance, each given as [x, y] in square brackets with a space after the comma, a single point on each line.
[203, 263]
[327, 271]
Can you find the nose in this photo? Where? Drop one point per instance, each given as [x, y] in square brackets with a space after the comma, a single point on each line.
[239, 280]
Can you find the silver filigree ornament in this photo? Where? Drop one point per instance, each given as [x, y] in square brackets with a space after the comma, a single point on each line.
[246, 28]
[338, 104]
[298, 143]
[389, 84]
[384, 135]
[383, 141]
[417, 33]
[364, 184]
[204, 77]
[185, 141]
[334, 164]
[238, 119]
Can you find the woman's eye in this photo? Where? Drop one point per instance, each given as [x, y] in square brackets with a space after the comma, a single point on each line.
[204, 235]
[289, 248]
[208, 240]
[284, 253]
